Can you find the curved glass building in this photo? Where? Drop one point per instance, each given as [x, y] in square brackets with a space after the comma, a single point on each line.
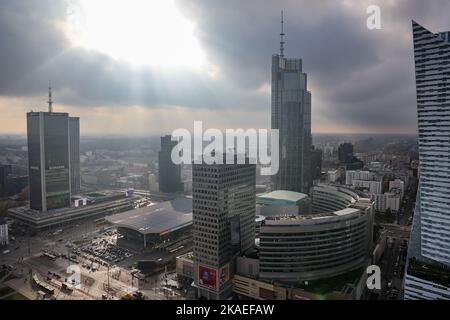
[334, 239]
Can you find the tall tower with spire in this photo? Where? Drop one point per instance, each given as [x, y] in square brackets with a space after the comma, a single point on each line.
[291, 115]
[53, 158]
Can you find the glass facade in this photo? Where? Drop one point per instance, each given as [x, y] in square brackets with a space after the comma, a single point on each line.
[48, 152]
[291, 115]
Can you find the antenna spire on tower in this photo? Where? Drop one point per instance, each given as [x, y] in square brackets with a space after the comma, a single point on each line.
[282, 36]
[50, 101]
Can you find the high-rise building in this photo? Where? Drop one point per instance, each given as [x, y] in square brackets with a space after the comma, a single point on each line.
[345, 152]
[169, 172]
[5, 170]
[224, 200]
[291, 115]
[52, 151]
[74, 149]
[347, 159]
[48, 160]
[316, 163]
[428, 267]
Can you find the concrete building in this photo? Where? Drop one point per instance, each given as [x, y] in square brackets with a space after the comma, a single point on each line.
[397, 184]
[291, 115]
[153, 185]
[169, 173]
[333, 176]
[98, 204]
[257, 289]
[389, 200]
[428, 267]
[351, 175]
[224, 223]
[372, 187]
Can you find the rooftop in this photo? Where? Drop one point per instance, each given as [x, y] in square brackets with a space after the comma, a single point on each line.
[158, 218]
[281, 197]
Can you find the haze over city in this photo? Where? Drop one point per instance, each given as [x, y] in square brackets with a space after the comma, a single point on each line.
[148, 67]
[244, 152]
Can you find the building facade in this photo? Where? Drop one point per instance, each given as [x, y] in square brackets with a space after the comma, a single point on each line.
[4, 238]
[74, 149]
[428, 267]
[169, 173]
[336, 238]
[224, 200]
[48, 160]
[291, 115]
[316, 163]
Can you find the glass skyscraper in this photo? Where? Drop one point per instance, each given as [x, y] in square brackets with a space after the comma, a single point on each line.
[48, 160]
[169, 173]
[74, 148]
[291, 115]
[428, 270]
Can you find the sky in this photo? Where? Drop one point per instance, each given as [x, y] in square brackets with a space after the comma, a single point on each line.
[138, 67]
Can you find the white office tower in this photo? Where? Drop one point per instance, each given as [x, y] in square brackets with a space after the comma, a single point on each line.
[223, 204]
[428, 270]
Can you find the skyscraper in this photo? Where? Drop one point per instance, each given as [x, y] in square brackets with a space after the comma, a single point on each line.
[345, 152]
[428, 270]
[48, 160]
[291, 115]
[74, 148]
[53, 158]
[169, 173]
[224, 200]
[347, 159]
[316, 163]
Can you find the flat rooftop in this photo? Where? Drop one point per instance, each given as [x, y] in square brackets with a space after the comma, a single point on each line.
[163, 217]
[281, 197]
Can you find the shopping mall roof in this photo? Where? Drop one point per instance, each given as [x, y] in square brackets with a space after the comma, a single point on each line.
[163, 217]
[281, 197]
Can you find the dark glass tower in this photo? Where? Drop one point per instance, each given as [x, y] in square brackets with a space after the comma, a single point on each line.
[48, 160]
[169, 173]
[291, 115]
[74, 148]
[345, 152]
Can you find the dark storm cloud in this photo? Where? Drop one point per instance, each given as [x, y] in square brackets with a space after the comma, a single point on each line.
[357, 76]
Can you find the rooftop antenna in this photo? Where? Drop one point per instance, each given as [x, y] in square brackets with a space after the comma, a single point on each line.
[50, 101]
[282, 36]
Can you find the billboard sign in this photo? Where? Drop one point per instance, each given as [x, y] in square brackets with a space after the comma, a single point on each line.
[207, 277]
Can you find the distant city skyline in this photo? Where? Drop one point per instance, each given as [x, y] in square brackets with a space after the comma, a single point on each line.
[362, 83]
